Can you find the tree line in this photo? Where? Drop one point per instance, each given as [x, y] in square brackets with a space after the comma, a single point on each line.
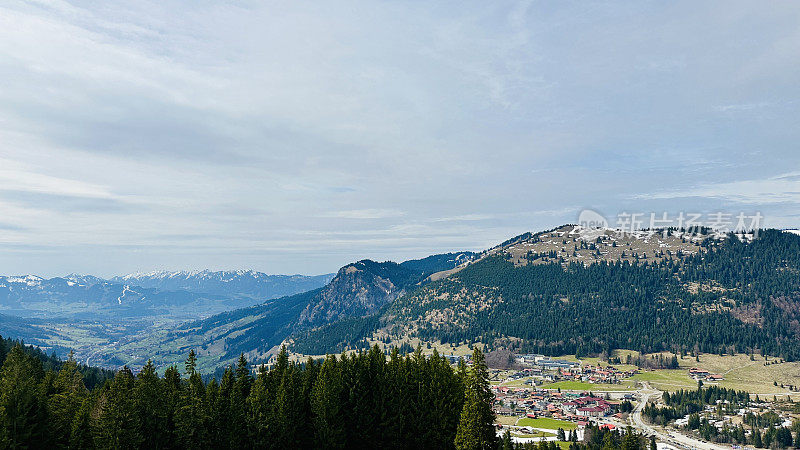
[688, 402]
[361, 400]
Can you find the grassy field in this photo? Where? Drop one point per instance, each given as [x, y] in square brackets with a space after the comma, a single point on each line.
[547, 423]
[739, 371]
[506, 420]
[519, 382]
[621, 354]
[667, 380]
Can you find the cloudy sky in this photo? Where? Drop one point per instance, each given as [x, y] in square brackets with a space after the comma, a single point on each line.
[294, 137]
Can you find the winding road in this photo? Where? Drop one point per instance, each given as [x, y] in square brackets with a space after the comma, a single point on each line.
[674, 438]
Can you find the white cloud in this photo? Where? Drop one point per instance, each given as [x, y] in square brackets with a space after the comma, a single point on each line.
[783, 188]
[741, 107]
[465, 218]
[364, 214]
[295, 138]
[15, 177]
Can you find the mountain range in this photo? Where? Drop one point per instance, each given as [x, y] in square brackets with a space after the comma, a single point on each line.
[562, 291]
[239, 282]
[182, 295]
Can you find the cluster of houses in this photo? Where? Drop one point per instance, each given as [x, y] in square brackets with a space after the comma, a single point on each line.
[597, 374]
[528, 402]
[549, 370]
[588, 407]
[454, 359]
[702, 374]
[544, 362]
[710, 413]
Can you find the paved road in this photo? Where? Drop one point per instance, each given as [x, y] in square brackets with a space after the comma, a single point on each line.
[674, 438]
[99, 350]
[645, 394]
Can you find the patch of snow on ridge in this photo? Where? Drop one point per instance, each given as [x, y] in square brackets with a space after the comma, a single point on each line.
[30, 280]
[125, 289]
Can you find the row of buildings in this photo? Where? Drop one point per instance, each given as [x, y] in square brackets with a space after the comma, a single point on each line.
[530, 402]
[549, 370]
[702, 374]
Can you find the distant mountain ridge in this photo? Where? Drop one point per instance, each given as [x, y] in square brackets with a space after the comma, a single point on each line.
[176, 295]
[239, 282]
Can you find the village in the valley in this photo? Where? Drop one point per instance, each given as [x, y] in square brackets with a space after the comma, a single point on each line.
[552, 399]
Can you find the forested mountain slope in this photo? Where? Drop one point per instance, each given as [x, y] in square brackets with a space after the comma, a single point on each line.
[647, 293]
[731, 296]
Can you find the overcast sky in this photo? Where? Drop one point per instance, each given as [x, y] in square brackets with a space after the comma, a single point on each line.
[294, 137]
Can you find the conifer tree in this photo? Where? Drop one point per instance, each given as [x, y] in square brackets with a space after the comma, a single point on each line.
[117, 424]
[259, 411]
[237, 411]
[149, 395]
[190, 417]
[65, 401]
[757, 438]
[392, 421]
[475, 427]
[506, 443]
[287, 410]
[326, 406]
[173, 390]
[80, 430]
[222, 433]
[22, 409]
[211, 405]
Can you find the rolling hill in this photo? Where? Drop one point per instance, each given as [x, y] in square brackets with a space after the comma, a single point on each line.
[556, 292]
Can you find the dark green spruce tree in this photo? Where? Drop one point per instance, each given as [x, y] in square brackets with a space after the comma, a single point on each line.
[23, 411]
[475, 427]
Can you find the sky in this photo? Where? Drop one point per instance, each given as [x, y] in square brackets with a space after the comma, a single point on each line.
[295, 137]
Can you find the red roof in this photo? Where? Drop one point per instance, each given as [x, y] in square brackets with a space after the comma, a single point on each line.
[592, 409]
